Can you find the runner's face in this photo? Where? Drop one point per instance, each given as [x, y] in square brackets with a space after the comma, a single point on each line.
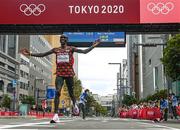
[63, 40]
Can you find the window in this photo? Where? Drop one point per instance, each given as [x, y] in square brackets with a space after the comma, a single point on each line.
[21, 85]
[1, 85]
[12, 46]
[11, 68]
[2, 43]
[2, 64]
[155, 76]
[10, 88]
[149, 62]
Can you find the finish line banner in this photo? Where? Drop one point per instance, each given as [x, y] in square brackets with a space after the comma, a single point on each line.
[88, 11]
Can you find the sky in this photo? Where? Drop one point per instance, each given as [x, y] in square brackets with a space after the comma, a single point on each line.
[96, 74]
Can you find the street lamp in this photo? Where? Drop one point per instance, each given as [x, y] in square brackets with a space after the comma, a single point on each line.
[118, 83]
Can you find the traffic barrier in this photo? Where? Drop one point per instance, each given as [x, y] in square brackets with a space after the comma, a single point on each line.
[150, 114]
[123, 114]
[144, 113]
[40, 114]
[8, 113]
[178, 110]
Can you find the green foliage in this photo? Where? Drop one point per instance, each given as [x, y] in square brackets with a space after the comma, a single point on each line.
[6, 101]
[91, 102]
[157, 96]
[171, 58]
[129, 100]
[103, 111]
[28, 100]
[77, 87]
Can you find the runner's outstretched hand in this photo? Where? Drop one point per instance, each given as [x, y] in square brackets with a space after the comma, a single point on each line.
[25, 52]
[97, 42]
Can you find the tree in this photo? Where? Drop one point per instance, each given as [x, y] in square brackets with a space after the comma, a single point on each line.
[171, 58]
[156, 96]
[28, 100]
[77, 88]
[91, 102]
[129, 100]
[103, 111]
[6, 101]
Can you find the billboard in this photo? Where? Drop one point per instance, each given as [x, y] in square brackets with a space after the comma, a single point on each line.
[85, 39]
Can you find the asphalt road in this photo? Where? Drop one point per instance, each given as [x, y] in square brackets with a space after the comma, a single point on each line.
[89, 123]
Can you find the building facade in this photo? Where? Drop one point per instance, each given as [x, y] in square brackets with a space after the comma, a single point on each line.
[23, 77]
[9, 68]
[146, 72]
[40, 69]
[106, 101]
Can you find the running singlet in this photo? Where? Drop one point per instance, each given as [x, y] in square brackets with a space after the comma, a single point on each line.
[64, 61]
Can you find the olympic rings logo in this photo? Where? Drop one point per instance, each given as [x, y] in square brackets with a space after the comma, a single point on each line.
[32, 9]
[160, 8]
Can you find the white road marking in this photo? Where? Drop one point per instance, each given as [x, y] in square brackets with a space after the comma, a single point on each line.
[30, 124]
[156, 125]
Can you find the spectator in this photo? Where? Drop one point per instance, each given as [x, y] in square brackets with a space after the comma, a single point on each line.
[164, 108]
[174, 105]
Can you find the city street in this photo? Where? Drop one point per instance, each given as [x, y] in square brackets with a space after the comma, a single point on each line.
[89, 123]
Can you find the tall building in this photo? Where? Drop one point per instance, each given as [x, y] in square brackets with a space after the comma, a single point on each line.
[153, 69]
[40, 71]
[146, 72]
[9, 68]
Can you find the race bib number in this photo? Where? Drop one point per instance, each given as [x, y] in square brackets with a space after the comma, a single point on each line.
[63, 58]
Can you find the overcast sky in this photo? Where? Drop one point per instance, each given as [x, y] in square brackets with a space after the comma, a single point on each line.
[96, 74]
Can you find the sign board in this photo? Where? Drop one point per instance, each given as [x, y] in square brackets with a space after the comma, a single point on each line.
[14, 83]
[85, 39]
[50, 93]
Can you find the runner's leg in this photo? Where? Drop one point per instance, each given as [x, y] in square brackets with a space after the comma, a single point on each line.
[70, 84]
[58, 83]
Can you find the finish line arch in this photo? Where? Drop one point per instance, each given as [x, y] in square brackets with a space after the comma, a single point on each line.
[57, 16]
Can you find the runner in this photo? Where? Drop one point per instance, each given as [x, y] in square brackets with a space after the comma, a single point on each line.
[82, 103]
[64, 70]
